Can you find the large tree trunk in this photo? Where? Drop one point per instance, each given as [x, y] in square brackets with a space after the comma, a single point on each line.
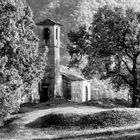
[134, 99]
[135, 83]
[135, 95]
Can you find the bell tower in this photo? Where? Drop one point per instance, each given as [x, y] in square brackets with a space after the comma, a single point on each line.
[49, 37]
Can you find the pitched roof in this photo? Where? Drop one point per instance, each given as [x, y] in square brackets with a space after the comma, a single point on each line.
[48, 22]
[71, 73]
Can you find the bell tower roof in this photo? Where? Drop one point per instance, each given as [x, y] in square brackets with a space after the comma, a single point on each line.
[48, 22]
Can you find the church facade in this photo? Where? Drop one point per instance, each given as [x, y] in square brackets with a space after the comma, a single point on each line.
[60, 81]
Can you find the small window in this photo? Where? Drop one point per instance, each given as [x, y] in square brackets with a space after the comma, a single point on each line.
[56, 33]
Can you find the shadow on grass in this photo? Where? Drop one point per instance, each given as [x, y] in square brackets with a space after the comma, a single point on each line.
[10, 121]
[94, 121]
[104, 119]
[9, 126]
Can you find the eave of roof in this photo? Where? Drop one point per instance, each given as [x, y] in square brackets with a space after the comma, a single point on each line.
[71, 74]
[72, 77]
[48, 22]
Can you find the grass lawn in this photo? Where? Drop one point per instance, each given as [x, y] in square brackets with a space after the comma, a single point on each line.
[67, 120]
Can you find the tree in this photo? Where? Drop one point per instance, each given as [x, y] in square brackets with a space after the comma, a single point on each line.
[20, 61]
[111, 48]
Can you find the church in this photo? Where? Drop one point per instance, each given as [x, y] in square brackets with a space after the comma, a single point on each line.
[61, 81]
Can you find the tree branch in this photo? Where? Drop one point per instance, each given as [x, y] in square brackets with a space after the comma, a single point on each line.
[130, 71]
[128, 54]
[122, 43]
[137, 54]
[120, 75]
[125, 79]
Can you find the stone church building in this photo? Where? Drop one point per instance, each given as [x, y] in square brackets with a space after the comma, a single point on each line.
[61, 82]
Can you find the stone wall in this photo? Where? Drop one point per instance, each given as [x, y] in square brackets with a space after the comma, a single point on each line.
[66, 88]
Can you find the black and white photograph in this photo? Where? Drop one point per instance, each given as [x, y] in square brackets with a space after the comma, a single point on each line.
[69, 69]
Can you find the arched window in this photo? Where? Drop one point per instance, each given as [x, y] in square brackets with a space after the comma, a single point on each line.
[46, 35]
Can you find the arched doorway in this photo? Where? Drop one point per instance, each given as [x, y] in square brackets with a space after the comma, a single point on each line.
[86, 93]
[44, 94]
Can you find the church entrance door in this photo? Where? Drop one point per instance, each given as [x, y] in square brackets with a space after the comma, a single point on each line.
[45, 93]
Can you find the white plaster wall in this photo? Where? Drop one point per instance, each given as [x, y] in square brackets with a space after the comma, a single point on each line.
[76, 92]
[83, 88]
